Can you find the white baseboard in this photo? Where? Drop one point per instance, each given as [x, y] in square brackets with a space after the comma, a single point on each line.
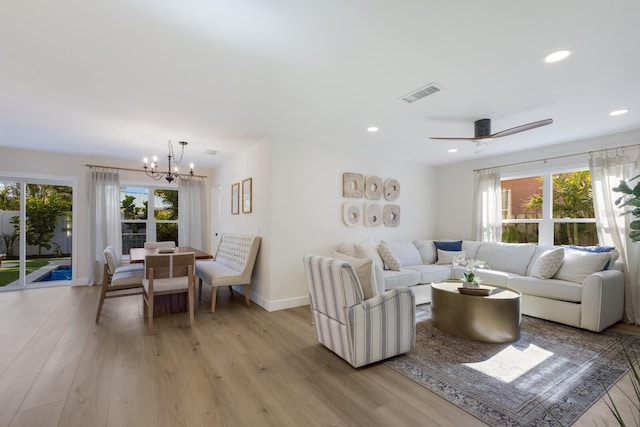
[275, 305]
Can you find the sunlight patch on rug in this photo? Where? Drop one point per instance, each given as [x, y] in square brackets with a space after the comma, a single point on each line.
[511, 363]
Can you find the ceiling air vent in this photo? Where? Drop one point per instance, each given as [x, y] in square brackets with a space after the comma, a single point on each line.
[429, 89]
[211, 152]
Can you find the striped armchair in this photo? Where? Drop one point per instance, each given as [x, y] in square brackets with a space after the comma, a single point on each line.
[360, 331]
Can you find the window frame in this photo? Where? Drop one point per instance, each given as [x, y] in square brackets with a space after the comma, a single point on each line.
[546, 224]
[150, 223]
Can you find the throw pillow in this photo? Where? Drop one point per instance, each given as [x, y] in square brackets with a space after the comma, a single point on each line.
[445, 257]
[369, 250]
[365, 271]
[453, 245]
[390, 259]
[548, 263]
[577, 265]
[598, 249]
[406, 251]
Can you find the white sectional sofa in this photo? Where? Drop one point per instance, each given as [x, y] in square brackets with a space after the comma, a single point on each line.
[586, 291]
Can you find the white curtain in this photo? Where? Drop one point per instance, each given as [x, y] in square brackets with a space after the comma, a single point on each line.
[104, 219]
[487, 206]
[607, 169]
[192, 219]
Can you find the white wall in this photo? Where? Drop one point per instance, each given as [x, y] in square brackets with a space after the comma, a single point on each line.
[298, 208]
[38, 164]
[455, 182]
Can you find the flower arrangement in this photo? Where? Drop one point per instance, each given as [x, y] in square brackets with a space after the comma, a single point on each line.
[471, 265]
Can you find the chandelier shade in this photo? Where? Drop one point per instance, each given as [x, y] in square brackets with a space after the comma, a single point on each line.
[151, 168]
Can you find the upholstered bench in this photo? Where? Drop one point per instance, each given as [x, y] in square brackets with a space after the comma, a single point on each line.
[232, 265]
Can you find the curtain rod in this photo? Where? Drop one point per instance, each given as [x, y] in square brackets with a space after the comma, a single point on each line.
[557, 157]
[139, 170]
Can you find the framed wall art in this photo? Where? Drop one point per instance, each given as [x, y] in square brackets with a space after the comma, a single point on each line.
[235, 198]
[246, 195]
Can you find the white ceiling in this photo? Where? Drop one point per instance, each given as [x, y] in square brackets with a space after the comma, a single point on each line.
[119, 78]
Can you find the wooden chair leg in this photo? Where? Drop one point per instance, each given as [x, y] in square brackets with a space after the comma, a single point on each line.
[103, 292]
[150, 313]
[214, 290]
[191, 304]
[246, 295]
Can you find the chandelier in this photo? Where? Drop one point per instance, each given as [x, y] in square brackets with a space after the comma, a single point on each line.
[152, 169]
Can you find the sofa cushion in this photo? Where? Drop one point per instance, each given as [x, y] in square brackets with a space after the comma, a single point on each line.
[430, 273]
[547, 263]
[368, 250]
[471, 248]
[405, 250]
[390, 259]
[347, 248]
[398, 279]
[561, 290]
[509, 257]
[365, 271]
[446, 257]
[427, 251]
[577, 265]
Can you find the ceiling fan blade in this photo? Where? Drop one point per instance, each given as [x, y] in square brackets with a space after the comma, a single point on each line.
[445, 138]
[521, 128]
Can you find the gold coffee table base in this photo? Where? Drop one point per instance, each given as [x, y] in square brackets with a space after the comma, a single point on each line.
[494, 318]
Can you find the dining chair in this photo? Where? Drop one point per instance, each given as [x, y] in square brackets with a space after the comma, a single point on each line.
[168, 274]
[118, 279]
[155, 245]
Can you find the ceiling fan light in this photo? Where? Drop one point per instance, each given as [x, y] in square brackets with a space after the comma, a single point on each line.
[557, 56]
[619, 112]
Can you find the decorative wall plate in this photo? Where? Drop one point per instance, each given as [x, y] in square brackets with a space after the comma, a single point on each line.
[373, 187]
[391, 189]
[351, 214]
[391, 215]
[352, 185]
[373, 215]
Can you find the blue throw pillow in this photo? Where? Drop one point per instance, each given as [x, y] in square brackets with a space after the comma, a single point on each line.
[455, 246]
[595, 249]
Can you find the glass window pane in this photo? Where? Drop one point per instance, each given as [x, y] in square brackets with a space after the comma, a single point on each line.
[520, 233]
[522, 198]
[167, 232]
[134, 234]
[134, 202]
[572, 196]
[9, 239]
[574, 233]
[166, 205]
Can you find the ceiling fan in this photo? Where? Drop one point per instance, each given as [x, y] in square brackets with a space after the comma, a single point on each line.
[483, 131]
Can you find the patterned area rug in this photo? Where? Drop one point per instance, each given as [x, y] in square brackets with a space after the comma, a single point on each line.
[549, 377]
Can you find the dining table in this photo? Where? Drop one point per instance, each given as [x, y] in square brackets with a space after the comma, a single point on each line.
[172, 303]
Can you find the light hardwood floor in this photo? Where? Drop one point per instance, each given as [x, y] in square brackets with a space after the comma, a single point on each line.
[241, 366]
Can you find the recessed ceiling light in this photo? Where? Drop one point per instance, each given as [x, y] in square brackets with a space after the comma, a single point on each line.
[372, 129]
[452, 150]
[557, 56]
[619, 112]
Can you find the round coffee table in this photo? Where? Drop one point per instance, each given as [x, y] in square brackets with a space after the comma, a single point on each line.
[494, 318]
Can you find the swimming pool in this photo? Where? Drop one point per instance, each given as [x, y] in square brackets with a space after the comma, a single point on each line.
[60, 273]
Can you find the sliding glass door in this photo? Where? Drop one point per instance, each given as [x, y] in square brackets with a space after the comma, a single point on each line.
[35, 233]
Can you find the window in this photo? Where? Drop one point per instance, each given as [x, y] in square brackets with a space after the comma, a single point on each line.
[138, 226]
[553, 208]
